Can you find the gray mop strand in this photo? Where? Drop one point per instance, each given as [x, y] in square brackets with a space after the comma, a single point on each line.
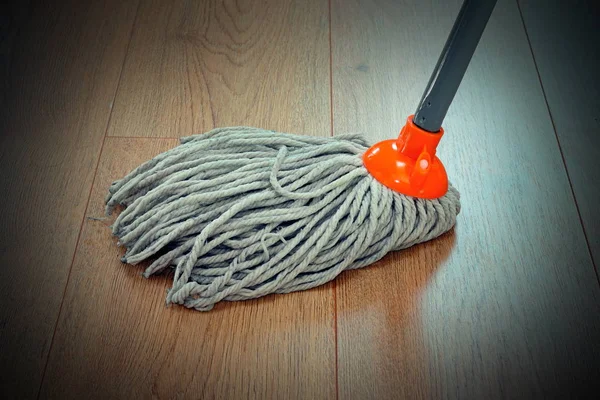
[242, 212]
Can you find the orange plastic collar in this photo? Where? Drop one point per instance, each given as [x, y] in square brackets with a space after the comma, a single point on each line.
[408, 165]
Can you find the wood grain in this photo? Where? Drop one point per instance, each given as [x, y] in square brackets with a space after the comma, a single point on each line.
[568, 60]
[60, 67]
[116, 338]
[507, 305]
[194, 65]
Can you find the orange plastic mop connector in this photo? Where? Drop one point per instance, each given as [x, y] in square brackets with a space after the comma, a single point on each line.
[408, 164]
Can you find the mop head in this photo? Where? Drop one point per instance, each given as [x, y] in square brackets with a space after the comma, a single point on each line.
[241, 212]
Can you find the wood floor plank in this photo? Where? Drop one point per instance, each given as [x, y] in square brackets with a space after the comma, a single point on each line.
[60, 64]
[507, 305]
[565, 45]
[116, 338]
[196, 65]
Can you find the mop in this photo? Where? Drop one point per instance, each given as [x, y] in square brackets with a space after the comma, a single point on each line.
[243, 212]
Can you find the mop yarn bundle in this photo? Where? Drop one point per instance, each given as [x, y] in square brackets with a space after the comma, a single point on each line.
[242, 212]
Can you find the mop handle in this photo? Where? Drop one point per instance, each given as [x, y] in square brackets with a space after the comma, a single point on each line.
[452, 64]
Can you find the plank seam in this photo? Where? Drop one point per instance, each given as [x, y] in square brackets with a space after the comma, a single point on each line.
[564, 161]
[83, 218]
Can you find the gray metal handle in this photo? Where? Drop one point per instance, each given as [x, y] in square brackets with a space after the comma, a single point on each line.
[453, 63]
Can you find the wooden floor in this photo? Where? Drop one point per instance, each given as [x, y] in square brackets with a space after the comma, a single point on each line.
[507, 305]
